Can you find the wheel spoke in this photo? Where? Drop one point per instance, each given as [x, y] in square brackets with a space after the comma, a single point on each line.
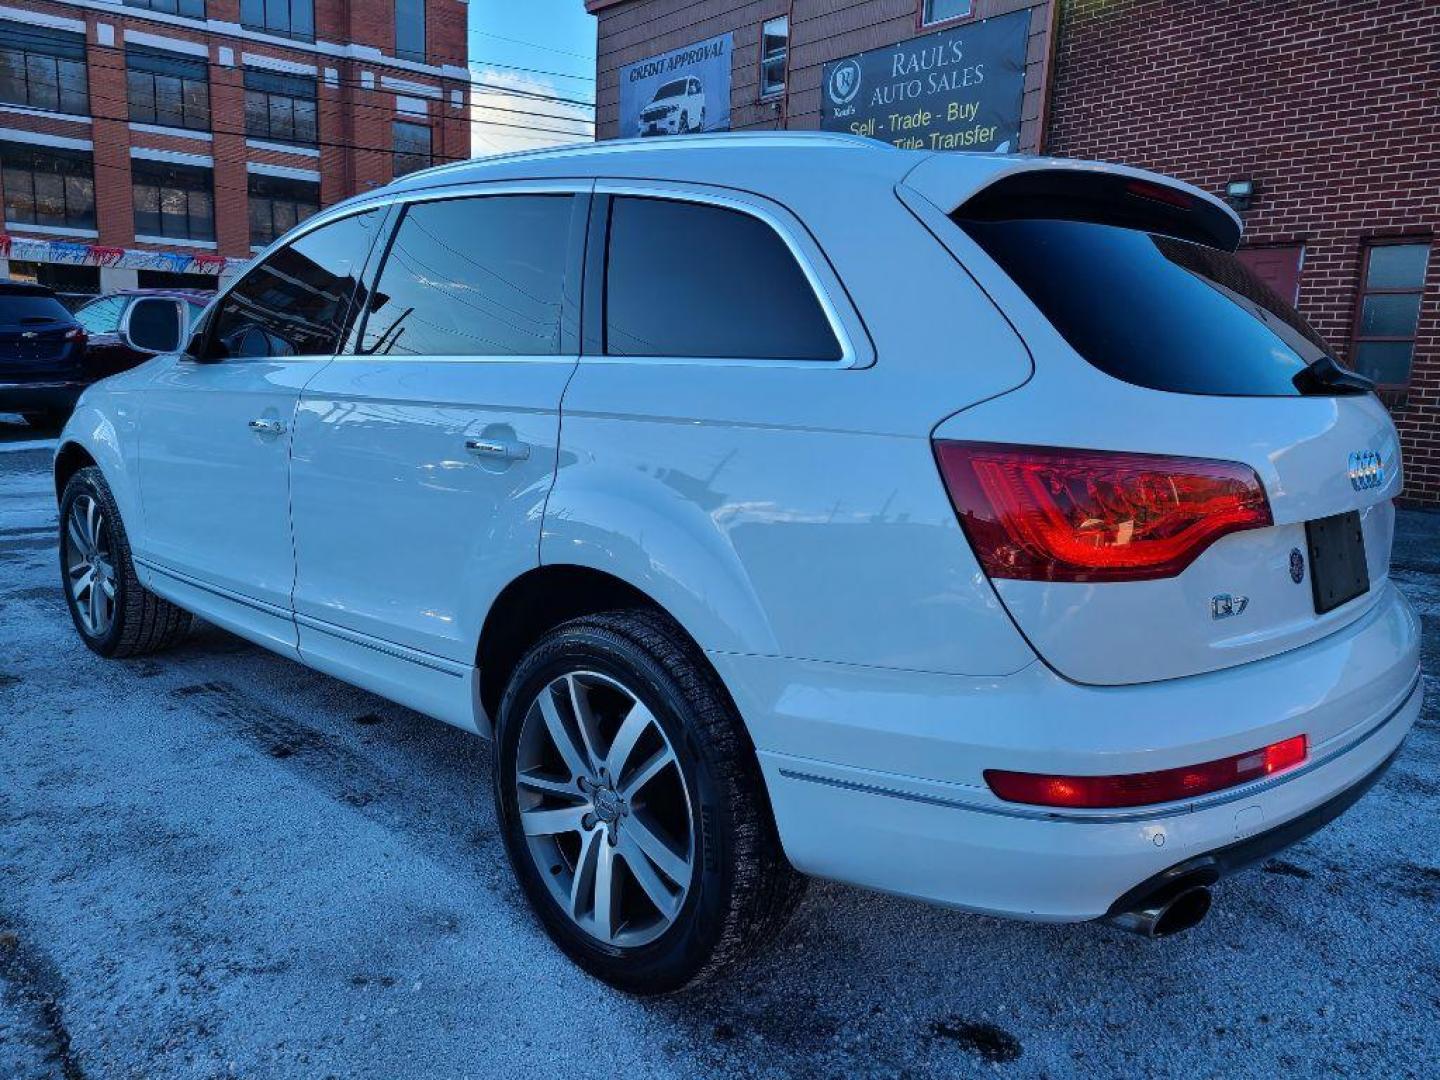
[546, 784]
[83, 582]
[675, 867]
[552, 822]
[96, 607]
[647, 772]
[607, 887]
[584, 721]
[582, 884]
[574, 757]
[77, 538]
[646, 877]
[92, 531]
[636, 722]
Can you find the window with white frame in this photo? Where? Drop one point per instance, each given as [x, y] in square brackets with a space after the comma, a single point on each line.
[774, 45]
[936, 11]
[173, 201]
[168, 89]
[280, 108]
[42, 68]
[49, 187]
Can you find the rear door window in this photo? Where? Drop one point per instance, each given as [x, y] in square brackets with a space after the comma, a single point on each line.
[24, 309]
[482, 276]
[693, 280]
[102, 316]
[1152, 310]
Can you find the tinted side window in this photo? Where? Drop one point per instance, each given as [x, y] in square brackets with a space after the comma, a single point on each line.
[155, 325]
[101, 316]
[690, 280]
[474, 277]
[295, 303]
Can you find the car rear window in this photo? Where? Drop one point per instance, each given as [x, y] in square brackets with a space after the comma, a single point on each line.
[19, 308]
[1152, 310]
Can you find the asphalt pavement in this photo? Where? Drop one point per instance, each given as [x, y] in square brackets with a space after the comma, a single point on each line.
[216, 863]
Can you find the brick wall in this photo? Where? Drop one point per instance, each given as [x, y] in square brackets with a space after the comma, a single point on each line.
[1333, 109]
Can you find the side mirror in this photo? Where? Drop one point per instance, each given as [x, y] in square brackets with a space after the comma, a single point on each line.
[153, 325]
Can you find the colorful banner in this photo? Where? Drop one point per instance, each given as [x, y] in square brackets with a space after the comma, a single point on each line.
[73, 253]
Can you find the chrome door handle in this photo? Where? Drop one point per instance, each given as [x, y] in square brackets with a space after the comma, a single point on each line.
[267, 427]
[498, 448]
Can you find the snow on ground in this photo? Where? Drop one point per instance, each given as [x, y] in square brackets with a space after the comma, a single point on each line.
[217, 863]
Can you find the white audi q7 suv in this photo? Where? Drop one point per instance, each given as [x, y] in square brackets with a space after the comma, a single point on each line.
[973, 528]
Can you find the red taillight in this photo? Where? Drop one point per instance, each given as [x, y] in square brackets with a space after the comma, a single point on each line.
[75, 333]
[1159, 193]
[1142, 789]
[1047, 514]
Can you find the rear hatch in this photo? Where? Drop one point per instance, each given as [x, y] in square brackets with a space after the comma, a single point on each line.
[1189, 481]
[40, 341]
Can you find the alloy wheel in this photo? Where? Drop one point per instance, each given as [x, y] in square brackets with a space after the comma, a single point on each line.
[605, 809]
[90, 565]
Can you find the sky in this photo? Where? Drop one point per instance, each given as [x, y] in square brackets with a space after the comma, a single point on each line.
[525, 48]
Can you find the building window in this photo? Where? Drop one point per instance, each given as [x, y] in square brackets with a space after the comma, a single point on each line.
[288, 18]
[42, 68]
[277, 204]
[936, 11]
[412, 147]
[410, 29]
[280, 108]
[1390, 292]
[48, 187]
[193, 9]
[167, 88]
[173, 201]
[774, 42]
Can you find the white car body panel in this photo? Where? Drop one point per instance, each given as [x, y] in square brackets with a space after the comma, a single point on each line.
[791, 517]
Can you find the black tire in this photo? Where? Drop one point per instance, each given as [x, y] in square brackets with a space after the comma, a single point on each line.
[742, 889]
[142, 622]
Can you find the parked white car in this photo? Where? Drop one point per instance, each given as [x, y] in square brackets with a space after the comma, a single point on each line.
[678, 108]
[1018, 551]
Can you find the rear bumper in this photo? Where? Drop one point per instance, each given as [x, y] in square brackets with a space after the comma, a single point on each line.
[875, 776]
[38, 396]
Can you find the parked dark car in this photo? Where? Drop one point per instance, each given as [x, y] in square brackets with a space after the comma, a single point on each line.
[126, 328]
[42, 354]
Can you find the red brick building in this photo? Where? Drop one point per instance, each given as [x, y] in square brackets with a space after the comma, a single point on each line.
[1319, 120]
[163, 141]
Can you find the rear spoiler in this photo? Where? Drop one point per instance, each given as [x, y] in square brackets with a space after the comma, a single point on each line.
[971, 186]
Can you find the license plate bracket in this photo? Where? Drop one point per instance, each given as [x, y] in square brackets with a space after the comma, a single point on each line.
[1338, 571]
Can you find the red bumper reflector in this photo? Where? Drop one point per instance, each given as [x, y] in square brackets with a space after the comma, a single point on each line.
[1142, 789]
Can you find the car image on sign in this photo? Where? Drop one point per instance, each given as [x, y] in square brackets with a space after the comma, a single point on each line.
[678, 107]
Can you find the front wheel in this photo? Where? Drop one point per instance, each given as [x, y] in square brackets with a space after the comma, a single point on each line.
[114, 614]
[632, 806]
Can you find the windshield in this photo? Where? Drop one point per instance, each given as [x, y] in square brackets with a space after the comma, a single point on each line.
[17, 309]
[1155, 311]
[674, 89]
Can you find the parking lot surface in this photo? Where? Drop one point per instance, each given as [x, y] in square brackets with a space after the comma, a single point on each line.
[215, 863]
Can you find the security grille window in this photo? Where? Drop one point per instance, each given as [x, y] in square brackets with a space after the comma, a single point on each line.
[474, 277]
[774, 42]
[943, 10]
[167, 88]
[173, 201]
[412, 147]
[42, 68]
[699, 298]
[410, 29]
[194, 9]
[48, 187]
[277, 204]
[280, 108]
[288, 18]
[1390, 312]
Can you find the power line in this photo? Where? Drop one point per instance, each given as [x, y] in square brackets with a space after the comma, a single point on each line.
[530, 44]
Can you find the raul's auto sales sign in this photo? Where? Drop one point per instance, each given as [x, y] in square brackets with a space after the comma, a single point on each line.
[960, 89]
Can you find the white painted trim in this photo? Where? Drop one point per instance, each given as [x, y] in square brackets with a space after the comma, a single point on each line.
[44, 114]
[282, 148]
[51, 230]
[174, 157]
[261, 168]
[105, 34]
[169, 44]
[275, 63]
[225, 56]
[37, 18]
[39, 138]
[411, 106]
[404, 86]
[170, 241]
[174, 133]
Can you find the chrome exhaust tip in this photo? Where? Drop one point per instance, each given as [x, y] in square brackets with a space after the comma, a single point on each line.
[1170, 913]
